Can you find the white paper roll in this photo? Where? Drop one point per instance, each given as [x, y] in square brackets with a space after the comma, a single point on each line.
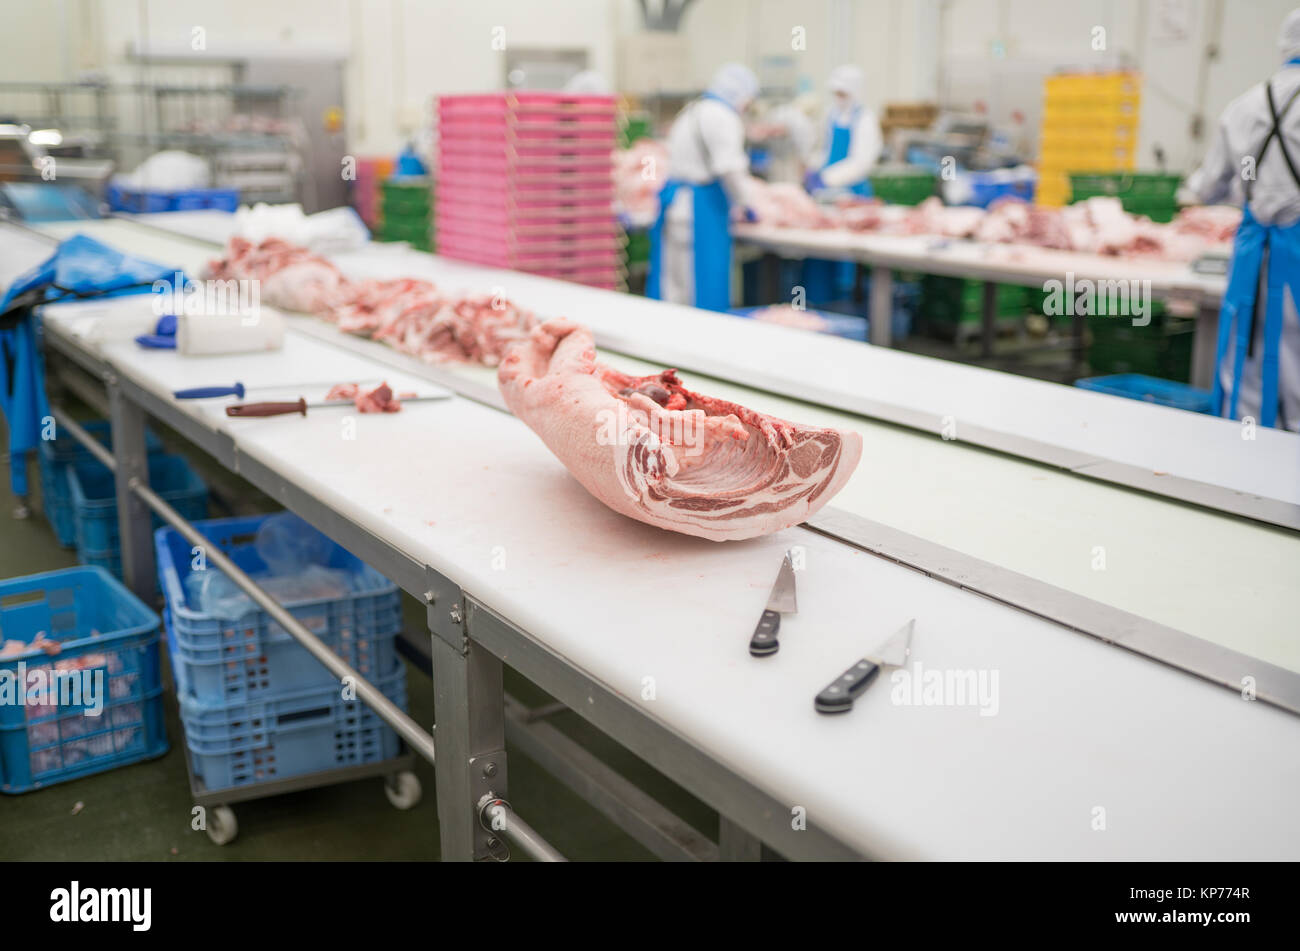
[198, 334]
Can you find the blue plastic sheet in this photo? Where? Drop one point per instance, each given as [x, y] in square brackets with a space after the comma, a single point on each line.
[80, 267]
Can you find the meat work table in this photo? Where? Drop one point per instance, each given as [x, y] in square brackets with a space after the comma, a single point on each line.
[1004, 263]
[1049, 731]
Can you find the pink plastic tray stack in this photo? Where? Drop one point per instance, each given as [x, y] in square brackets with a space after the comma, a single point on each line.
[526, 181]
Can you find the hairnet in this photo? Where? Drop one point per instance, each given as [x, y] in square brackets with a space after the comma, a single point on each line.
[734, 84]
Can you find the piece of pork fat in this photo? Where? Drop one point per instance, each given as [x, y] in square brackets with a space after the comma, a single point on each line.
[651, 449]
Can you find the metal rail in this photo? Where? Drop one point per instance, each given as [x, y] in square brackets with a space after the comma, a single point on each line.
[497, 816]
[514, 828]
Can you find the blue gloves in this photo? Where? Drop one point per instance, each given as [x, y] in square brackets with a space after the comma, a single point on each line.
[749, 215]
[812, 182]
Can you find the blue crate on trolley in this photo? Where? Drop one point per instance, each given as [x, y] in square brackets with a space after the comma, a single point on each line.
[96, 703]
[145, 200]
[92, 489]
[54, 456]
[220, 660]
[1151, 389]
[288, 734]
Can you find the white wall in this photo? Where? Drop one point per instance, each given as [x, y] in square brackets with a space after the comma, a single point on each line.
[400, 53]
[997, 52]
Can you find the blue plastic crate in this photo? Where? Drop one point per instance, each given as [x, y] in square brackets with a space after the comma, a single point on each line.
[1151, 389]
[141, 200]
[104, 632]
[92, 488]
[288, 734]
[222, 661]
[984, 188]
[54, 456]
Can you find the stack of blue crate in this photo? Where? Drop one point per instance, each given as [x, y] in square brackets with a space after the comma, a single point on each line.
[255, 705]
[92, 493]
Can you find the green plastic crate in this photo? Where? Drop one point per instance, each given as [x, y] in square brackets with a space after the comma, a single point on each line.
[406, 218]
[635, 126]
[409, 196]
[902, 188]
[953, 301]
[1162, 348]
[1136, 185]
[638, 248]
[405, 206]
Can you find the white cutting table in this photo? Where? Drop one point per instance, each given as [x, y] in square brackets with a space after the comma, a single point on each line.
[1227, 580]
[1078, 725]
[592, 605]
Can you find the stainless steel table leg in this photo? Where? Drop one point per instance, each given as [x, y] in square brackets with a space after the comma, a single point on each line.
[469, 705]
[133, 518]
[882, 306]
[735, 844]
[1205, 342]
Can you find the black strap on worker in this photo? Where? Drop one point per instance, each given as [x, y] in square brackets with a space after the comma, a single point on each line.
[1275, 133]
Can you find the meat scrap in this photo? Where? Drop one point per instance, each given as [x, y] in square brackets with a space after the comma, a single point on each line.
[378, 400]
[410, 315]
[1097, 225]
[651, 449]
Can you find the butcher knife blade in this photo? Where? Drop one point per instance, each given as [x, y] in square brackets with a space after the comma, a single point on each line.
[839, 695]
[300, 405]
[780, 601]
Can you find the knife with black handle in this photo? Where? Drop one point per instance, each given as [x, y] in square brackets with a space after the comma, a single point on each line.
[839, 694]
[765, 641]
[781, 601]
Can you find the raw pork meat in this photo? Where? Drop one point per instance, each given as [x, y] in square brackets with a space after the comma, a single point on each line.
[1095, 226]
[785, 205]
[652, 450]
[378, 400]
[411, 315]
[291, 277]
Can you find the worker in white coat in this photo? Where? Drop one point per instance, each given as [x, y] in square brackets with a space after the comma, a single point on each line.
[852, 142]
[690, 243]
[850, 149]
[1255, 159]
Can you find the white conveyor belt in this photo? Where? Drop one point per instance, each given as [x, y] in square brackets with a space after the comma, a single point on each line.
[1220, 578]
[1078, 726]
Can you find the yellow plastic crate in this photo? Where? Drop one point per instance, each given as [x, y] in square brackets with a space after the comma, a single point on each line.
[1097, 157]
[1093, 111]
[1076, 85]
[1117, 128]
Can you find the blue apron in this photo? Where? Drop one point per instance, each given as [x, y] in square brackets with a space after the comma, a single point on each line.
[1237, 314]
[824, 280]
[711, 238]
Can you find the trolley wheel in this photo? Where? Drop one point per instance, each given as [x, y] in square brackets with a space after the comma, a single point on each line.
[222, 827]
[403, 789]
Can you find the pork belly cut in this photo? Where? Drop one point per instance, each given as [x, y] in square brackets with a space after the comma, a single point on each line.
[653, 450]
